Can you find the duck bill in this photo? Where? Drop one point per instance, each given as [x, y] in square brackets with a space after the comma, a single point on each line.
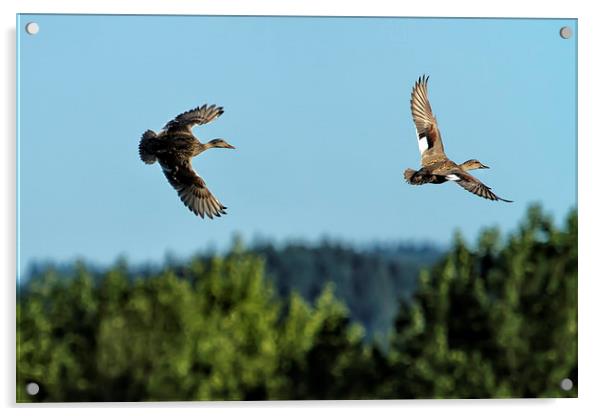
[230, 147]
[484, 167]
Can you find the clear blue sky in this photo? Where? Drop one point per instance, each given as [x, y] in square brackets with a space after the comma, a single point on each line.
[318, 109]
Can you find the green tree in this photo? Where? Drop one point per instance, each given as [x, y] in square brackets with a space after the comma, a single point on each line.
[322, 355]
[497, 321]
[55, 334]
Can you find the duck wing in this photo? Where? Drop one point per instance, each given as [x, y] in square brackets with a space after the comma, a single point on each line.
[191, 189]
[472, 184]
[427, 131]
[199, 115]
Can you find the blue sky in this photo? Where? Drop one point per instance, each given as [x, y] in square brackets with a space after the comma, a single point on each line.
[318, 109]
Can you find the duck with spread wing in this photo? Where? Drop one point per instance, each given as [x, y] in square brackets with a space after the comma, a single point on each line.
[174, 147]
[436, 167]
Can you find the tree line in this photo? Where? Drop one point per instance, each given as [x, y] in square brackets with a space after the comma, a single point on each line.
[496, 319]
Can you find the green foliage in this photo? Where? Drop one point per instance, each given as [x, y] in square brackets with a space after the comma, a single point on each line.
[497, 320]
[320, 351]
[217, 332]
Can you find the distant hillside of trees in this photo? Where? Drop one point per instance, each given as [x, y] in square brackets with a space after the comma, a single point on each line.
[493, 319]
[370, 281]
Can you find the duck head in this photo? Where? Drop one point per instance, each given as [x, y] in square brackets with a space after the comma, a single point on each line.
[220, 143]
[473, 164]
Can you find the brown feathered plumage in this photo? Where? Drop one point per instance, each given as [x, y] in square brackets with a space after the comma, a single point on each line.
[174, 147]
[436, 167]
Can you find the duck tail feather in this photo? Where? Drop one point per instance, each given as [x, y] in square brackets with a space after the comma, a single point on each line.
[146, 147]
[408, 174]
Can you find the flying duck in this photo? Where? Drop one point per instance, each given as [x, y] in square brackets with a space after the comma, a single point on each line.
[174, 147]
[436, 167]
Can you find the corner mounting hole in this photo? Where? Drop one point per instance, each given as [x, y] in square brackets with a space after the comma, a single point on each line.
[32, 28]
[566, 32]
[566, 384]
[32, 388]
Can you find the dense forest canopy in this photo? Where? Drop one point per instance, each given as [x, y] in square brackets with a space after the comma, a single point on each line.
[368, 280]
[494, 319]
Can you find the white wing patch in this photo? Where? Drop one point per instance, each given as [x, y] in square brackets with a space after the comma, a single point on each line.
[452, 177]
[423, 143]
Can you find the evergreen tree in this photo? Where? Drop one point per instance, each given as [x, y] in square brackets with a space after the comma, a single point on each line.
[497, 321]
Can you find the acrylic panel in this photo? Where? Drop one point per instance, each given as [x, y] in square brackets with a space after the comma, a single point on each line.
[295, 208]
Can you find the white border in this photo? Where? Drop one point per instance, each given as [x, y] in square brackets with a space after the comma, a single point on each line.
[590, 137]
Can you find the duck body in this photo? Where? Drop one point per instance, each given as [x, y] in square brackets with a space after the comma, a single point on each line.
[169, 147]
[435, 173]
[182, 146]
[437, 168]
